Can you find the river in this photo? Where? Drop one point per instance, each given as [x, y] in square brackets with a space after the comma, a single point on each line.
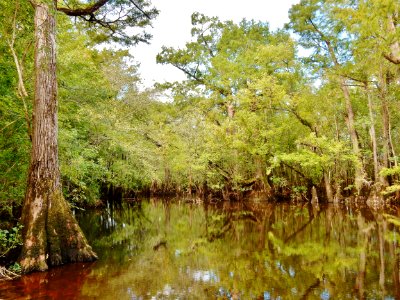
[154, 249]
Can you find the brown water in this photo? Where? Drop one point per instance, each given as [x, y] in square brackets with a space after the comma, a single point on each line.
[252, 250]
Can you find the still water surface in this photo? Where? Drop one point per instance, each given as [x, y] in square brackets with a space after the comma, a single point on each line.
[252, 250]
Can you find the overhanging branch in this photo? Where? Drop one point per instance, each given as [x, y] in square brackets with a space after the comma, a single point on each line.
[87, 11]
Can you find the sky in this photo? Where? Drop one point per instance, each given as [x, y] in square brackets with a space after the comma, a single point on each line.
[172, 28]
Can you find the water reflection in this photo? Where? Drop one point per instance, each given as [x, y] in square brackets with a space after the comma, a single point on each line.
[252, 250]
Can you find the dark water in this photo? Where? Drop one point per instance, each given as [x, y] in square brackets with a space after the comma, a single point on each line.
[252, 250]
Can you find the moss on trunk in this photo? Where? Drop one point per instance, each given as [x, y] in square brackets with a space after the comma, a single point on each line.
[66, 241]
[52, 235]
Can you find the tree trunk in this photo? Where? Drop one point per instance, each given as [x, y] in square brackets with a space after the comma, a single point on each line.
[385, 120]
[388, 149]
[314, 195]
[359, 168]
[328, 186]
[51, 234]
[373, 135]
[359, 176]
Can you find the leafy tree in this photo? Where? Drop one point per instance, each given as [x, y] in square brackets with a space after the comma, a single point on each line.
[241, 75]
[51, 234]
[326, 35]
[376, 39]
[15, 87]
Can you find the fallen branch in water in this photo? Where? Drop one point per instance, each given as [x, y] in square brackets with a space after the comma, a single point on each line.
[6, 274]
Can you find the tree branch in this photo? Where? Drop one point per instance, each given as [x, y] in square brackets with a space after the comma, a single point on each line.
[141, 10]
[326, 41]
[22, 93]
[295, 170]
[302, 120]
[392, 58]
[193, 76]
[201, 81]
[87, 11]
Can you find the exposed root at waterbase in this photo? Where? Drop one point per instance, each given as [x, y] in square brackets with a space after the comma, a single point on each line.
[7, 274]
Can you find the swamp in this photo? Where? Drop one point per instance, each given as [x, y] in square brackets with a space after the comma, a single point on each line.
[268, 170]
[180, 249]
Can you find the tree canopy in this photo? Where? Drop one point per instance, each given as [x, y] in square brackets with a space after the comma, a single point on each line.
[255, 114]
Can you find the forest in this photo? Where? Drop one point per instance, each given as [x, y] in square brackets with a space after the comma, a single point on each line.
[308, 112]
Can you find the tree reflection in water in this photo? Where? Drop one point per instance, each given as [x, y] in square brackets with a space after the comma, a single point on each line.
[250, 250]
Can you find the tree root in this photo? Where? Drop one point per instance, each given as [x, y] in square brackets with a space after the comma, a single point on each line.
[6, 274]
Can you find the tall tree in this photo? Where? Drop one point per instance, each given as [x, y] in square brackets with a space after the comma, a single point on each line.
[244, 76]
[375, 28]
[320, 31]
[51, 234]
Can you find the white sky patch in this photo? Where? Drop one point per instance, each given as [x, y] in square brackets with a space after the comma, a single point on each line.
[173, 25]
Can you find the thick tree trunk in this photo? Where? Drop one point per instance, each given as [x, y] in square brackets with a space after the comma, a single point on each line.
[51, 234]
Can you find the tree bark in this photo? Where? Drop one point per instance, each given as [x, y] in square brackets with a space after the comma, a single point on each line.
[385, 120]
[372, 132]
[51, 234]
[328, 186]
[388, 149]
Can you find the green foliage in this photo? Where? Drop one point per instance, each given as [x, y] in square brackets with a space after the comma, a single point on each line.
[113, 21]
[15, 268]
[393, 172]
[245, 72]
[390, 171]
[85, 78]
[316, 155]
[105, 137]
[10, 239]
[392, 219]
[14, 140]
[252, 114]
